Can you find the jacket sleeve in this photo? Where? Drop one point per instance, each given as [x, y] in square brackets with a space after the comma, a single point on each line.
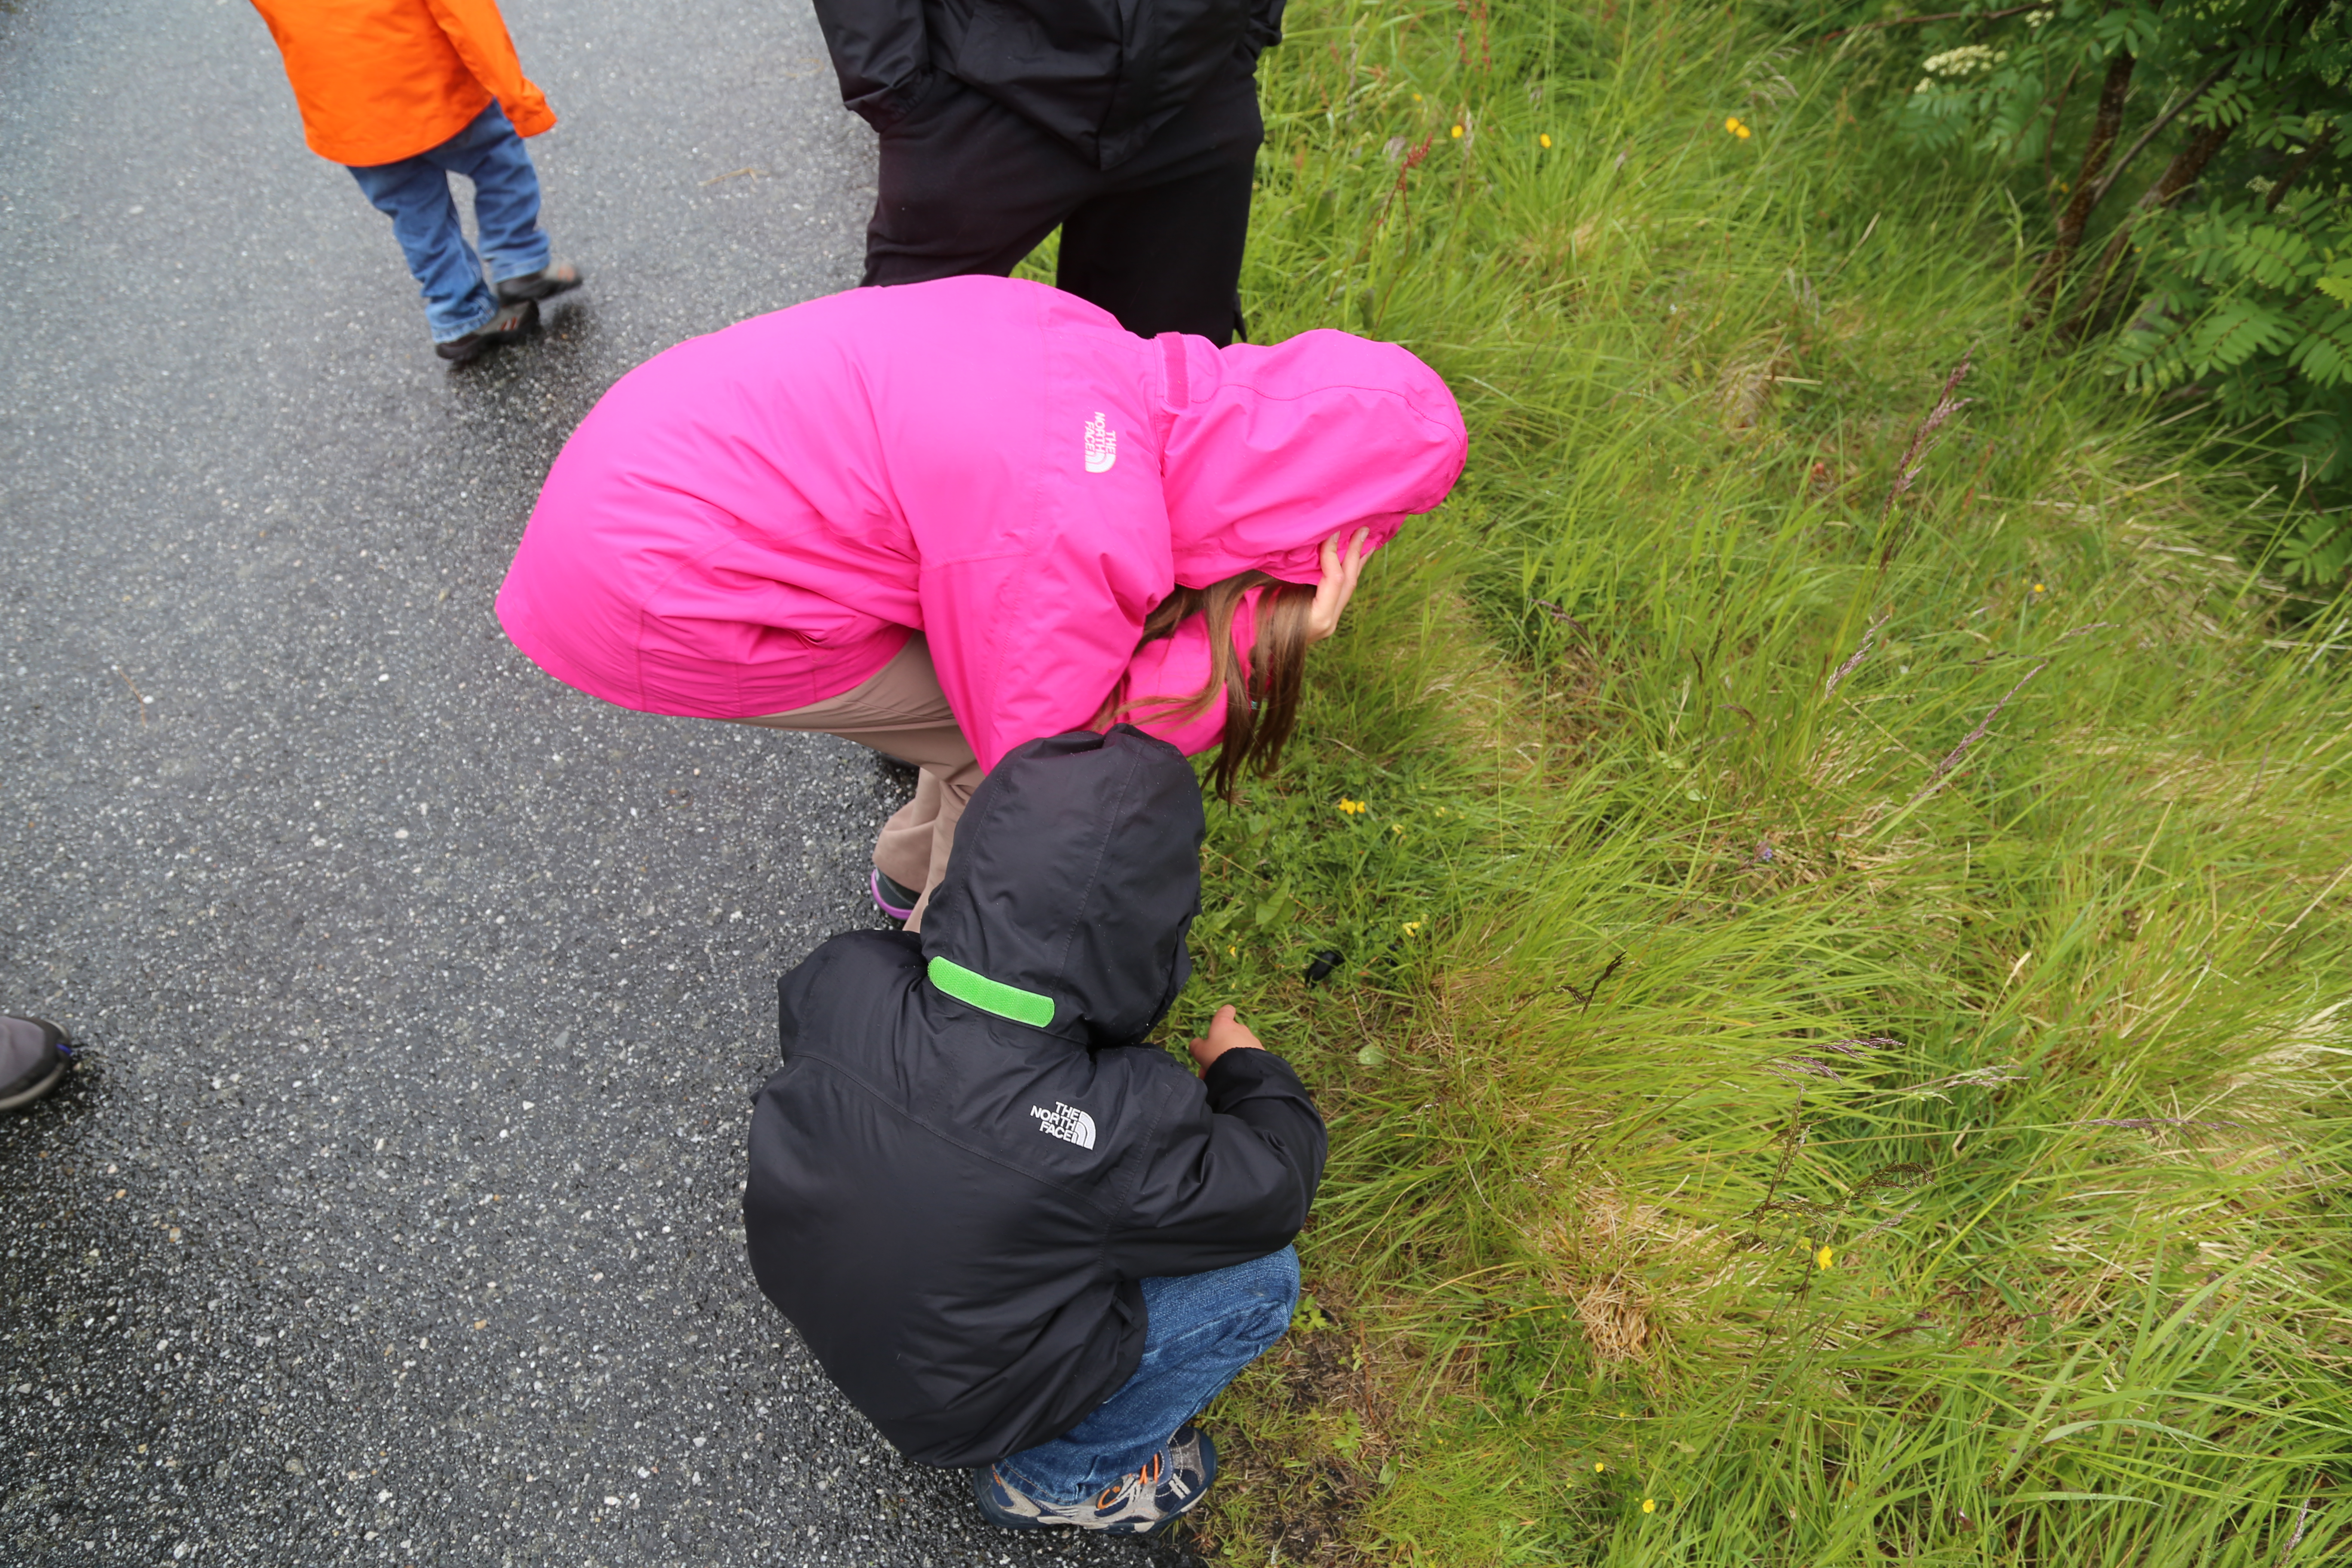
[479, 33]
[800, 992]
[1264, 28]
[881, 52]
[1231, 1173]
[1033, 643]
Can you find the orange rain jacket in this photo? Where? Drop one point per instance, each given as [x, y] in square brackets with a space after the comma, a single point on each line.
[380, 80]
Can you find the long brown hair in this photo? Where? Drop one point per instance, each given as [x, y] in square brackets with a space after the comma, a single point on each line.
[1260, 711]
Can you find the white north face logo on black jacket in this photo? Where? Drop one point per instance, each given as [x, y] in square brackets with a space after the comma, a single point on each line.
[1066, 1122]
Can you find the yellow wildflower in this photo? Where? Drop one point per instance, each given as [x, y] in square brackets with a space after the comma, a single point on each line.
[2041, 588]
[1649, 1505]
[1353, 807]
[1397, 828]
[1544, 140]
[1824, 1257]
[1599, 1465]
[1457, 133]
[1733, 125]
[1411, 927]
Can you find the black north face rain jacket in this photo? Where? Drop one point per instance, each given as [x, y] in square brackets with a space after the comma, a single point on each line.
[971, 1157]
[1102, 74]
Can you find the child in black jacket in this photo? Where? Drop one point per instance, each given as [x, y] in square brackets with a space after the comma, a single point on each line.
[1019, 1237]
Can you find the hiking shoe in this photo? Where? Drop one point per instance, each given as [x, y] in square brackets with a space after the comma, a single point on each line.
[34, 1055]
[1145, 1503]
[558, 277]
[512, 322]
[891, 898]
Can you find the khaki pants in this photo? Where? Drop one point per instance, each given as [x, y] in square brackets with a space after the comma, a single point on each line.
[901, 712]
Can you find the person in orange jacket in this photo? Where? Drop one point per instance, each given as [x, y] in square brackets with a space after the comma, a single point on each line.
[406, 93]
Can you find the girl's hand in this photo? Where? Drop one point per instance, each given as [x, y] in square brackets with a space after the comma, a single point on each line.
[1338, 586]
[1226, 1033]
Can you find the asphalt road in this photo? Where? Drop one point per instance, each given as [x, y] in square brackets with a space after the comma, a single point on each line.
[394, 1216]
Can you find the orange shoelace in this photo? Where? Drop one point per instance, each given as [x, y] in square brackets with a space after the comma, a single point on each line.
[1146, 1477]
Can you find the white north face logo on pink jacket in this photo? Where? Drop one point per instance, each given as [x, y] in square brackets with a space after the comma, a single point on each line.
[1102, 445]
[1066, 1122]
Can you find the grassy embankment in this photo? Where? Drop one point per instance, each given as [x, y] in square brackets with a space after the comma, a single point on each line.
[1775, 1123]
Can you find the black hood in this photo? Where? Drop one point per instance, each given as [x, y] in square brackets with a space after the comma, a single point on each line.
[1075, 879]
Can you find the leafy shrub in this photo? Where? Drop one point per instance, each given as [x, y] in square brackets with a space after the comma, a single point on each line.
[2191, 163]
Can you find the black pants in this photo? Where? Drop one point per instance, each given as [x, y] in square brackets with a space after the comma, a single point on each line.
[969, 185]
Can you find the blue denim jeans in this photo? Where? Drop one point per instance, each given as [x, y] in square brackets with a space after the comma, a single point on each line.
[415, 193]
[1200, 1330]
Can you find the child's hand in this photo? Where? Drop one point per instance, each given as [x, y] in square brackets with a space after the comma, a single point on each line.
[1226, 1033]
[1338, 586]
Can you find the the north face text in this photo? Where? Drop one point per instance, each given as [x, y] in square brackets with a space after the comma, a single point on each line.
[1066, 1122]
[1102, 445]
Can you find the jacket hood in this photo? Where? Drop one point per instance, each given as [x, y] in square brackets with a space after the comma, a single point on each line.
[1075, 879]
[1274, 449]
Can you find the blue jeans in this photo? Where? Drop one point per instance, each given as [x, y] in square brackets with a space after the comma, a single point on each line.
[415, 193]
[1200, 1329]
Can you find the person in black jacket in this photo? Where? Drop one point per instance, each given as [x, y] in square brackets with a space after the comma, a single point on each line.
[1134, 128]
[1020, 1237]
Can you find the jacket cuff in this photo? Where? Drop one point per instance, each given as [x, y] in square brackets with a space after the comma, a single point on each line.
[528, 112]
[892, 106]
[1264, 28]
[1234, 1073]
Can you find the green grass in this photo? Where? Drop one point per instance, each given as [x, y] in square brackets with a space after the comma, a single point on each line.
[1665, 967]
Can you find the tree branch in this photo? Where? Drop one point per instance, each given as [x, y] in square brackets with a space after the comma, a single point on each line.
[2106, 124]
[2174, 183]
[2186, 167]
[1940, 17]
[2302, 161]
[2155, 128]
[2050, 142]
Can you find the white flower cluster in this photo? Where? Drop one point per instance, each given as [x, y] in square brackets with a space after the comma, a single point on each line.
[1966, 60]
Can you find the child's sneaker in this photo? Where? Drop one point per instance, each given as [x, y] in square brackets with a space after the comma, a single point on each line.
[557, 278]
[34, 1055]
[893, 899]
[512, 323]
[1145, 1503]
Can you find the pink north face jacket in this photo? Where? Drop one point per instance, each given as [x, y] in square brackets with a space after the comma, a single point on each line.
[755, 520]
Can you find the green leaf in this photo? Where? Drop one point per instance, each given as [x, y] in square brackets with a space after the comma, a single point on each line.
[2068, 1430]
[2271, 255]
[2239, 329]
[2324, 352]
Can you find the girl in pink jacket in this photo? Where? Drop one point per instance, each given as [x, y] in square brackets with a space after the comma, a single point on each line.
[942, 519]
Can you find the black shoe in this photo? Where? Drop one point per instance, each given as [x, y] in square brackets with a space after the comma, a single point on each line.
[512, 322]
[556, 278]
[34, 1055]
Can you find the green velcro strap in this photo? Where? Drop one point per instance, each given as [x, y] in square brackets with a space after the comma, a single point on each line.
[994, 997]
